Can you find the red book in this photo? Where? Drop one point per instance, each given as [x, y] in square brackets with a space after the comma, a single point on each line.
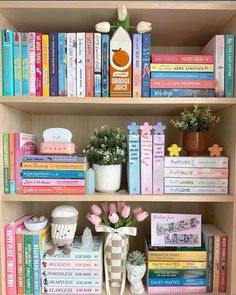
[53, 190]
[38, 64]
[89, 72]
[223, 263]
[182, 59]
[182, 84]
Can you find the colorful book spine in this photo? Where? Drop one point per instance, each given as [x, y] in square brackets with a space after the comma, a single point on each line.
[8, 62]
[62, 66]
[196, 190]
[53, 64]
[38, 64]
[146, 65]
[229, 65]
[223, 264]
[17, 64]
[197, 172]
[197, 162]
[134, 164]
[53, 166]
[69, 264]
[196, 182]
[179, 75]
[53, 159]
[32, 70]
[45, 61]
[97, 52]
[176, 282]
[137, 65]
[182, 58]
[36, 263]
[105, 64]
[182, 84]
[41, 190]
[177, 256]
[51, 174]
[20, 263]
[97, 85]
[72, 290]
[28, 267]
[183, 92]
[6, 163]
[182, 67]
[158, 163]
[177, 273]
[75, 255]
[216, 264]
[209, 244]
[177, 289]
[176, 265]
[25, 63]
[89, 65]
[70, 282]
[71, 64]
[12, 164]
[53, 182]
[81, 64]
[71, 273]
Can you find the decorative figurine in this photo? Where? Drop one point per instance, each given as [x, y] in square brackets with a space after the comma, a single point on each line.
[215, 150]
[87, 239]
[174, 150]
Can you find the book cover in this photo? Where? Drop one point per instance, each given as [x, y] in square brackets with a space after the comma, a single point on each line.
[223, 263]
[216, 263]
[89, 65]
[71, 64]
[229, 65]
[197, 172]
[6, 163]
[158, 163]
[53, 182]
[45, 62]
[70, 282]
[47, 190]
[183, 92]
[176, 282]
[195, 182]
[146, 65]
[53, 64]
[97, 52]
[32, 69]
[182, 58]
[54, 159]
[72, 290]
[17, 64]
[105, 64]
[51, 174]
[53, 166]
[62, 64]
[176, 289]
[81, 64]
[25, 63]
[70, 264]
[20, 262]
[177, 265]
[182, 84]
[177, 273]
[196, 190]
[98, 85]
[38, 64]
[137, 65]
[71, 273]
[182, 75]
[182, 67]
[12, 163]
[197, 162]
[7, 62]
[28, 267]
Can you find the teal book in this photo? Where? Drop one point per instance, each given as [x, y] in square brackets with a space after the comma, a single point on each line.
[17, 64]
[25, 63]
[7, 63]
[28, 256]
[6, 163]
[229, 65]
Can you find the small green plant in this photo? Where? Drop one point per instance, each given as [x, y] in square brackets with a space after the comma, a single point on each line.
[107, 146]
[136, 258]
[195, 120]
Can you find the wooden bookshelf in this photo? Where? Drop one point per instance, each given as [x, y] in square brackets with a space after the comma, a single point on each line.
[178, 27]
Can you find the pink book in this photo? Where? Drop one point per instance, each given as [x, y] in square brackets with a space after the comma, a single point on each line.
[89, 84]
[71, 290]
[69, 264]
[25, 144]
[182, 84]
[10, 231]
[177, 289]
[197, 172]
[182, 58]
[38, 64]
[48, 190]
[53, 182]
[146, 159]
[32, 72]
[158, 159]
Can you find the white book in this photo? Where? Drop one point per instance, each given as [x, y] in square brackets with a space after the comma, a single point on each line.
[195, 190]
[81, 64]
[97, 53]
[195, 182]
[71, 64]
[196, 162]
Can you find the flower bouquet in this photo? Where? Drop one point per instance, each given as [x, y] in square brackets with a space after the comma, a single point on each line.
[116, 220]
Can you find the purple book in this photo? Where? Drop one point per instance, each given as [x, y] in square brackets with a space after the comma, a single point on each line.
[53, 64]
[54, 159]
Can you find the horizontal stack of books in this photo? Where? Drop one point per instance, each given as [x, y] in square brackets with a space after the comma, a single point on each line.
[196, 175]
[53, 174]
[79, 272]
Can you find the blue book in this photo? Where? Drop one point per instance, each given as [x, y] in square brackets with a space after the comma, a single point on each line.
[182, 75]
[25, 63]
[55, 159]
[105, 64]
[17, 64]
[229, 65]
[182, 92]
[152, 282]
[133, 164]
[146, 65]
[62, 75]
[36, 262]
[98, 85]
[51, 174]
[53, 64]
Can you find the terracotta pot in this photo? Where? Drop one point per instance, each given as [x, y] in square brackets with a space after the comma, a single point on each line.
[194, 143]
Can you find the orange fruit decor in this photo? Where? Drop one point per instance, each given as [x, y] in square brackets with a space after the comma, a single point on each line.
[120, 57]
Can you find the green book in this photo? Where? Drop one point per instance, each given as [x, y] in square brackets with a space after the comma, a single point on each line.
[177, 273]
[6, 163]
[28, 263]
[229, 65]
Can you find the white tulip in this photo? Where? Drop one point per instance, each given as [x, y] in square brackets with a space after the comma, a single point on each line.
[144, 27]
[122, 13]
[103, 27]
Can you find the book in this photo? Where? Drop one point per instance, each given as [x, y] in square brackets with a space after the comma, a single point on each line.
[196, 182]
[177, 265]
[72, 290]
[176, 289]
[53, 166]
[223, 263]
[182, 67]
[146, 65]
[177, 273]
[216, 47]
[146, 163]
[81, 64]
[62, 64]
[197, 172]
[17, 64]
[38, 64]
[53, 182]
[155, 282]
[89, 65]
[197, 162]
[182, 84]
[97, 85]
[182, 92]
[25, 63]
[229, 65]
[70, 282]
[182, 75]
[53, 159]
[182, 58]
[53, 64]
[71, 64]
[20, 276]
[71, 273]
[196, 190]
[158, 163]
[28, 259]
[6, 163]
[105, 64]
[12, 163]
[45, 64]
[7, 62]
[51, 174]
[47, 190]
[70, 264]
[137, 65]
[32, 69]
[97, 53]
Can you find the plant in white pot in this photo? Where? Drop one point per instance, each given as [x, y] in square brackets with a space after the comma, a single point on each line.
[136, 268]
[107, 150]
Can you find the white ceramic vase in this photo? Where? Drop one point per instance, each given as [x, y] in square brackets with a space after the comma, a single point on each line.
[107, 178]
[135, 274]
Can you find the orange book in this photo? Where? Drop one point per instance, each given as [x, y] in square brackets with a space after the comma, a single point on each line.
[20, 262]
[12, 164]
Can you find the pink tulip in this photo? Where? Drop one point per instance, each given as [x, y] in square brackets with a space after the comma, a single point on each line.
[141, 216]
[94, 219]
[137, 210]
[113, 217]
[120, 206]
[125, 212]
[112, 207]
[96, 210]
[105, 207]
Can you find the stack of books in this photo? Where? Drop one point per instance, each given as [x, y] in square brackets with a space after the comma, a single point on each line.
[196, 175]
[79, 272]
[53, 174]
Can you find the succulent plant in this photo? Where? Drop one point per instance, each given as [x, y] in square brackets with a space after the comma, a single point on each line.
[136, 258]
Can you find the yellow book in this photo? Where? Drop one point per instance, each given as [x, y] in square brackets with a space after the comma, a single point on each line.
[45, 58]
[182, 68]
[53, 166]
[176, 265]
[177, 256]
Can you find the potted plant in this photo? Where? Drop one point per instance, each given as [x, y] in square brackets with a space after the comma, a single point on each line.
[194, 124]
[136, 268]
[107, 150]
